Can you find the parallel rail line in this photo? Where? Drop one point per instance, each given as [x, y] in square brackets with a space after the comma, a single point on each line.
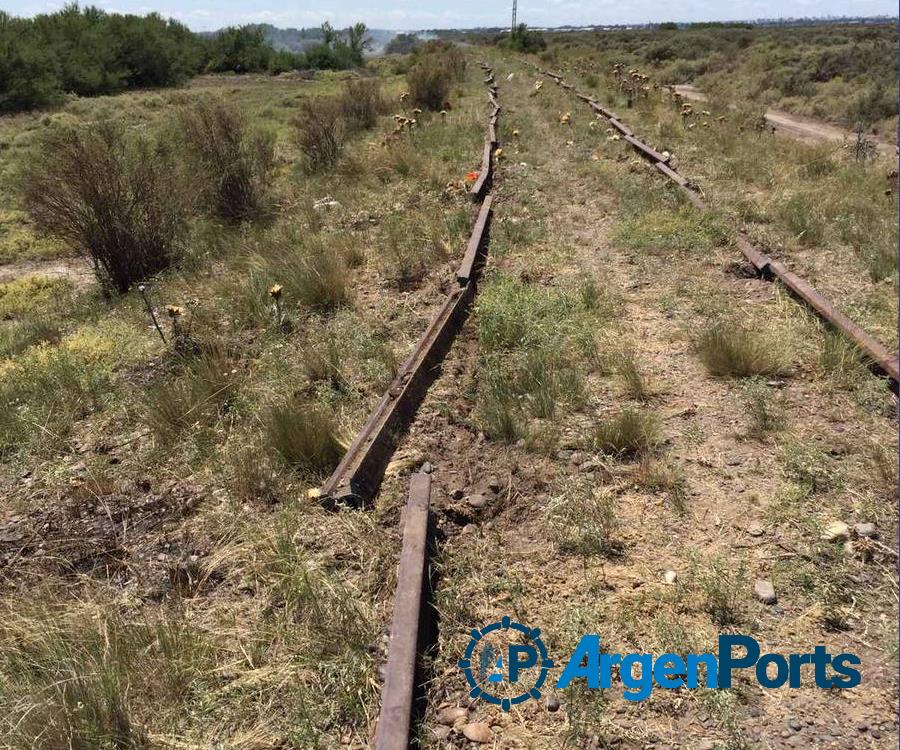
[878, 355]
[358, 475]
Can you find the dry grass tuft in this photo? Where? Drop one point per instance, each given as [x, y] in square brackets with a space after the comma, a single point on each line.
[730, 350]
[304, 437]
[628, 433]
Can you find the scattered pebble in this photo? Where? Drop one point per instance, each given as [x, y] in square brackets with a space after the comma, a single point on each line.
[449, 716]
[427, 468]
[493, 484]
[478, 732]
[477, 500]
[836, 530]
[866, 529]
[755, 529]
[670, 576]
[795, 724]
[552, 703]
[764, 591]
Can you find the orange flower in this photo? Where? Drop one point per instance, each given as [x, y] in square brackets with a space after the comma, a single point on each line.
[472, 176]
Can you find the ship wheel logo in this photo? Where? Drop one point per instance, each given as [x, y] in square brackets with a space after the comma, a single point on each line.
[505, 663]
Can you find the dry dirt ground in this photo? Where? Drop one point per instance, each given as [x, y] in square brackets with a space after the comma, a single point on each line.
[742, 517]
[794, 126]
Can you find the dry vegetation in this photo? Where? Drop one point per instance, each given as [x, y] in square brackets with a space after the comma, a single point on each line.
[627, 433]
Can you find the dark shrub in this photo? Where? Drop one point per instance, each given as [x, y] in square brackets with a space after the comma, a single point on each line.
[320, 134]
[234, 161]
[116, 199]
[361, 104]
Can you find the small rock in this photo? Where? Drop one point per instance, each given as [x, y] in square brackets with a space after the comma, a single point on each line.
[441, 733]
[427, 468]
[577, 458]
[493, 484]
[457, 494]
[862, 727]
[449, 716]
[478, 732]
[836, 530]
[564, 455]
[765, 591]
[552, 703]
[161, 557]
[670, 576]
[476, 501]
[795, 725]
[755, 529]
[866, 529]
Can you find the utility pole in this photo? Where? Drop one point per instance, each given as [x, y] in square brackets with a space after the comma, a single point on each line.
[512, 30]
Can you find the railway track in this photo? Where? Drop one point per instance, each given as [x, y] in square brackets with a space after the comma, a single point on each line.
[876, 353]
[357, 479]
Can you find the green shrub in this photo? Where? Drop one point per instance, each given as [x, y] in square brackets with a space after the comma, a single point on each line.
[429, 83]
[361, 103]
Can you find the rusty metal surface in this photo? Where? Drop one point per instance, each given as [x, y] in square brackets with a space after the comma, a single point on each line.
[473, 253]
[648, 151]
[393, 732]
[872, 348]
[359, 474]
[484, 178]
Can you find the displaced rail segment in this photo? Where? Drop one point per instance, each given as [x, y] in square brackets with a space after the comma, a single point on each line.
[878, 355]
[358, 476]
[399, 677]
[360, 473]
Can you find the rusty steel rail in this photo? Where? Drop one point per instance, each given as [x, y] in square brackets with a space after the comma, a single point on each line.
[877, 354]
[476, 245]
[482, 184]
[399, 679]
[359, 473]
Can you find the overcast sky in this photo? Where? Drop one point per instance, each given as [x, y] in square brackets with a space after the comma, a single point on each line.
[202, 15]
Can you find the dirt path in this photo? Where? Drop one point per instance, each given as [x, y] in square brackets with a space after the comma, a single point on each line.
[75, 270]
[795, 126]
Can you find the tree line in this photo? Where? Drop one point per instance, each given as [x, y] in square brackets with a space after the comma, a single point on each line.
[89, 52]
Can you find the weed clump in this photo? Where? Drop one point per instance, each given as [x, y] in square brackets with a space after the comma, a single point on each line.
[628, 433]
[234, 162]
[304, 437]
[729, 350]
[432, 76]
[117, 199]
